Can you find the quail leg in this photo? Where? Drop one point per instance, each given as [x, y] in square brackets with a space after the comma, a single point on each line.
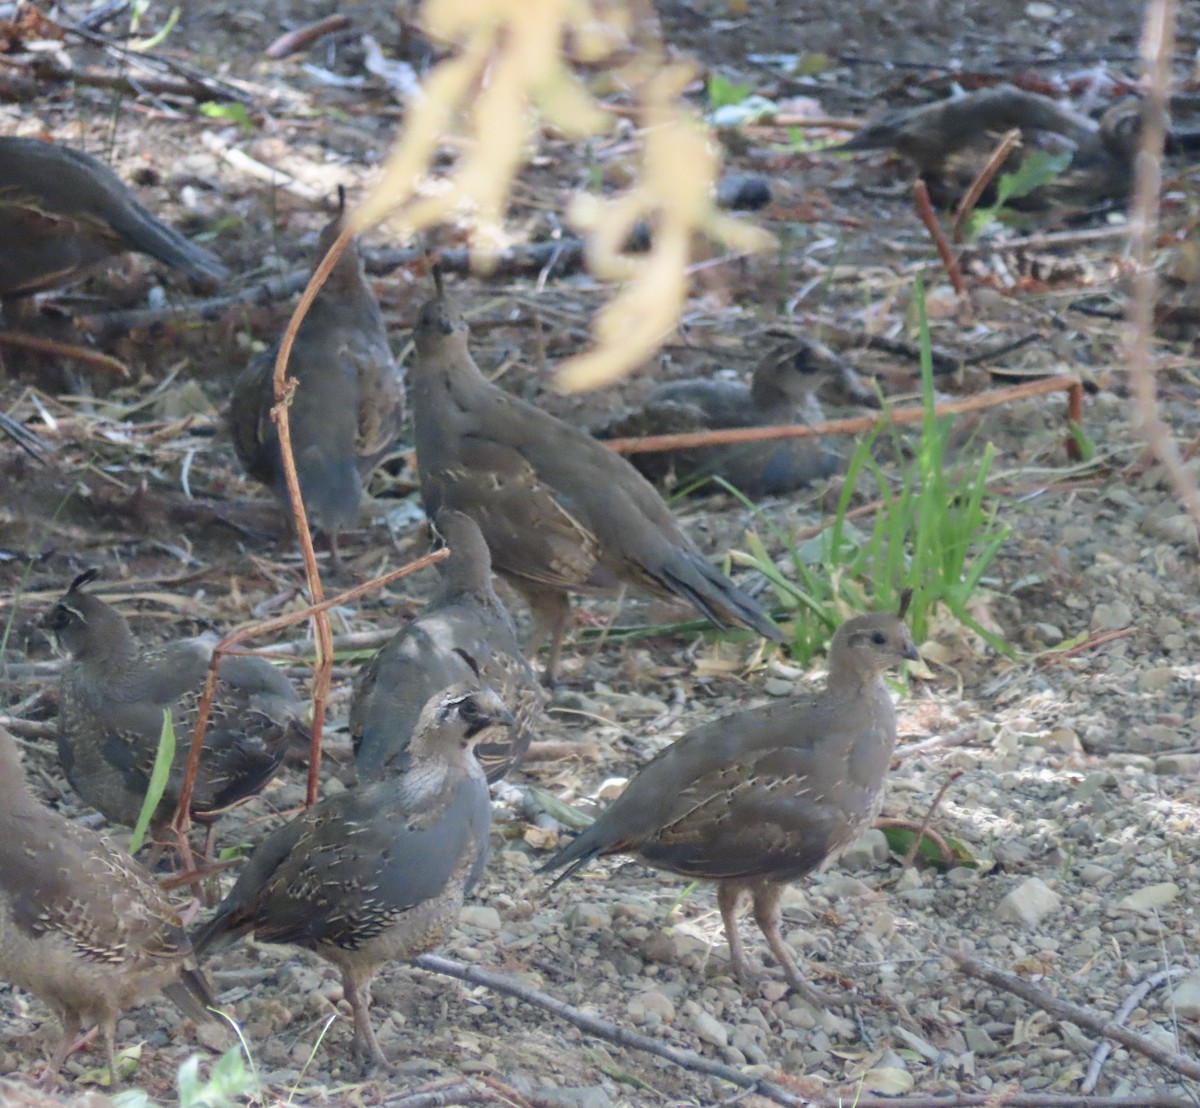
[551, 611]
[71, 1024]
[768, 918]
[108, 1028]
[356, 984]
[729, 895]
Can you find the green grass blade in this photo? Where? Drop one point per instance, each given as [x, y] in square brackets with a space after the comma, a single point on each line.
[163, 759]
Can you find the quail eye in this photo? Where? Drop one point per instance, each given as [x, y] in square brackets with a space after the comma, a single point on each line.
[879, 638]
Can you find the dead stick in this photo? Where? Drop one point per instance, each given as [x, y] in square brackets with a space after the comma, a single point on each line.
[897, 416]
[998, 1099]
[946, 853]
[1089, 644]
[303, 37]
[182, 819]
[982, 179]
[64, 350]
[1076, 1013]
[603, 1029]
[1105, 1047]
[928, 217]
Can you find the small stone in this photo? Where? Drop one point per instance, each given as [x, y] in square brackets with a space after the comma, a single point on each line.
[483, 916]
[591, 1097]
[1186, 997]
[1155, 679]
[775, 686]
[588, 917]
[979, 1041]
[657, 1003]
[1150, 897]
[869, 851]
[1047, 633]
[1186, 765]
[1029, 903]
[1111, 616]
[710, 1029]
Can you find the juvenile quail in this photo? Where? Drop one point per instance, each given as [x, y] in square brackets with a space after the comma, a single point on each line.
[949, 141]
[348, 405]
[82, 925]
[62, 212]
[377, 873]
[463, 633]
[763, 797]
[780, 392]
[111, 714]
[560, 512]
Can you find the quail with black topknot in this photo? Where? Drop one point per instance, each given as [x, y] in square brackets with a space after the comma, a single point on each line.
[114, 692]
[82, 925]
[377, 873]
[464, 632]
[765, 796]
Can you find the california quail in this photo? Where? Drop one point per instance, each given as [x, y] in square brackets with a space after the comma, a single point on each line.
[949, 141]
[377, 873]
[82, 925]
[348, 405]
[62, 212]
[560, 512]
[463, 633]
[781, 392]
[113, 696]
[761, 798]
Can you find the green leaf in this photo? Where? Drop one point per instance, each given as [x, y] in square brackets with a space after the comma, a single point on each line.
[157, 39]
[1040, 168]
[564, 813]
[900, 840]
[232, 110]
[723, 92]
[163, 759]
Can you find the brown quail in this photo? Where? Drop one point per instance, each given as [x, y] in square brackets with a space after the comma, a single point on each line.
[62, 213]
[113, 696]
[780, 392]
[377, 873]
[464, 632]
[348, 405]
[763, 797]
[82, 925]
[560, 512]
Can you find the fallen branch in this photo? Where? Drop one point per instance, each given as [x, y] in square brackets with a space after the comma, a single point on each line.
[64, 350]
[1084, 1017]
[603, 1029]
[897, 416]
[982, 179]
[996, 1099]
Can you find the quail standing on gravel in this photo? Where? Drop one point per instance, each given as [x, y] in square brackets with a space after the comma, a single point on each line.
[464, 632]
[62, 213]
[781, 391]
[113, 696]
[377, 873]
[348, 405]
[763, 797]
[83, 926]
[560, 512]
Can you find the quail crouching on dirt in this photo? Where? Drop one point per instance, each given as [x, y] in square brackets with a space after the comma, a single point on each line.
[82, 925]
[463, 633]
[763, 797]
[110, 717]
[348, 406]
[377, 873]
[560, 512]
[62, 213]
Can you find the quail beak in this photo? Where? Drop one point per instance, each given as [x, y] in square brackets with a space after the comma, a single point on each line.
[911, 652]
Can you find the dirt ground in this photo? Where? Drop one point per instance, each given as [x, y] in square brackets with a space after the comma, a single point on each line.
[1074, 772]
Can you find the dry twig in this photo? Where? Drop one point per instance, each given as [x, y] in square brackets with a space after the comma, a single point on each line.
[928, 217]
[982, 179]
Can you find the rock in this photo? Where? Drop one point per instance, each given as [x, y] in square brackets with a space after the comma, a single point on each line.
[1156, 678]
[554, 1097]
[654, 1003]
[869, 851]
[1186, 765]
[1111, 616]
[1149, 897]
[979, 1041]
[1186, 997]
[483, 916]
[1029, 903]
[710, 1029]
[588, 917]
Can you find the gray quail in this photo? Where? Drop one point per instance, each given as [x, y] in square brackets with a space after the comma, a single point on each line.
[781, 391]
[560, 512]
[349, 400]
[763, 797]
[377, 873]
[62, 213]
[949, 141]
[82, 925]
[464, 632]
[111, 714]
